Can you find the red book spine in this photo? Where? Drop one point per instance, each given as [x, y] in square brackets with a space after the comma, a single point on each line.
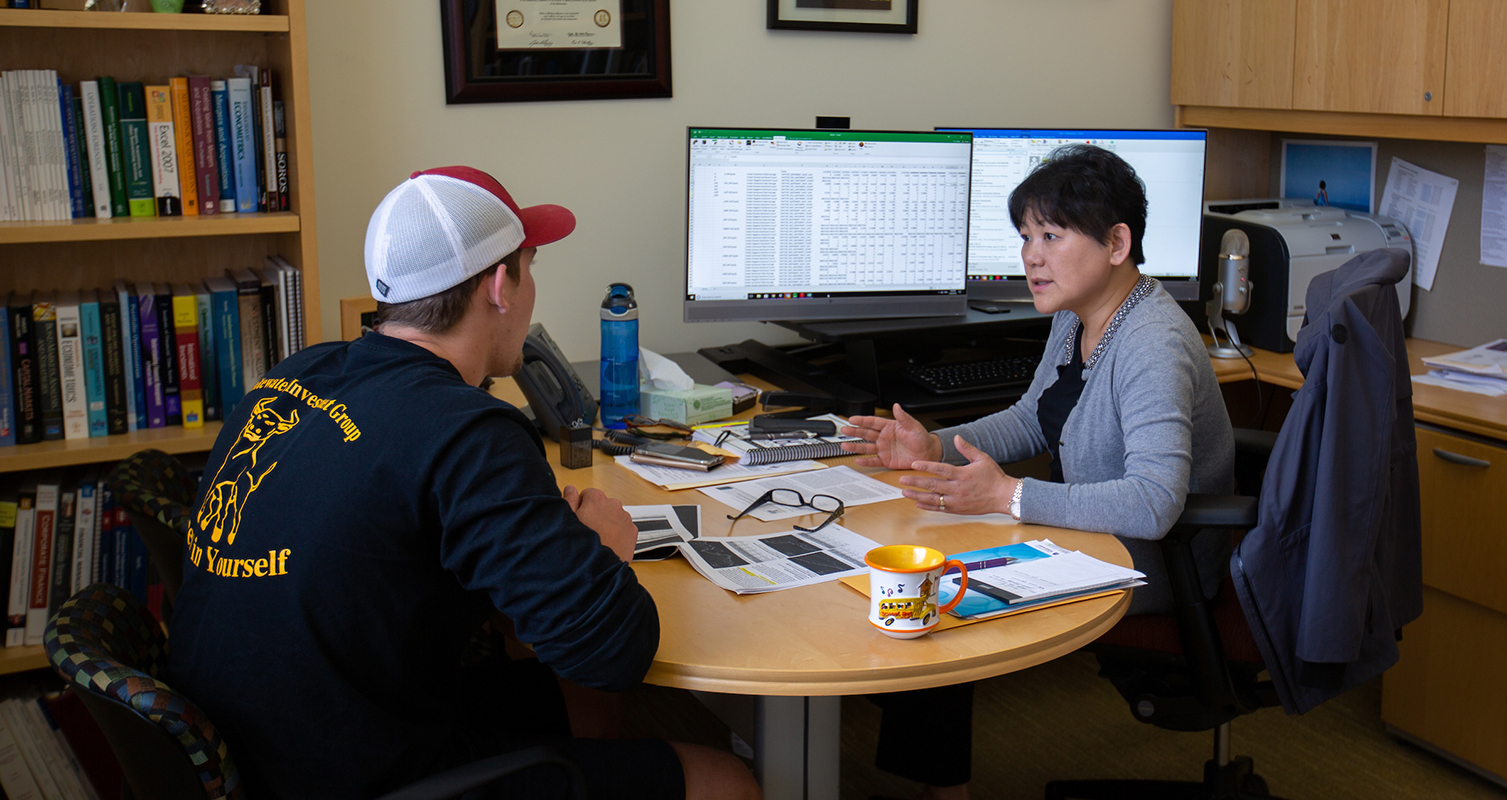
[207, 169]
[188, 360]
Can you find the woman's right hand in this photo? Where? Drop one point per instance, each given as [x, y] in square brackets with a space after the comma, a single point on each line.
[895, 443]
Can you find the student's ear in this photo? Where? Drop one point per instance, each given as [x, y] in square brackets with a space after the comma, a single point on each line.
[1119, 244]
[499, 289]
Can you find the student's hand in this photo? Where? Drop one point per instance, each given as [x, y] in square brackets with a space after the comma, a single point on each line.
[895, 443]
[606, 516]
[979, 487]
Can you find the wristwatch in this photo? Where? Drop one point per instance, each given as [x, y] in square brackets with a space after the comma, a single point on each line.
[1015, 499]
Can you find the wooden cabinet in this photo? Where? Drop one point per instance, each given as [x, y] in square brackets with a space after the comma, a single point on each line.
[1477, 63]
[91, 253]
[1233, 53]
[1448, 690]
[1376, 56]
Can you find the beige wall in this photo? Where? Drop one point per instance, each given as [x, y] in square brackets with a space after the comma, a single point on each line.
[377, 84]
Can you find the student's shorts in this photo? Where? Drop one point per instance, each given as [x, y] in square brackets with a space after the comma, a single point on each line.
[519, 705]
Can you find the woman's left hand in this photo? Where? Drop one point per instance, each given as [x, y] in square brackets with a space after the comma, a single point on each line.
[979, 487]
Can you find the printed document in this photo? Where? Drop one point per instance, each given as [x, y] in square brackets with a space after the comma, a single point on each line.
[1494, 208]
[672, 478]
[849, 485]
[662, 528]
[773, 561]
[1422, 201]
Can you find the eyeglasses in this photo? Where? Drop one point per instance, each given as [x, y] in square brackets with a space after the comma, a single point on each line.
[636, 423]
[790, 498]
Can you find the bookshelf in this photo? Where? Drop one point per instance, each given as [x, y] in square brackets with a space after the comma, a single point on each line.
[90, 253]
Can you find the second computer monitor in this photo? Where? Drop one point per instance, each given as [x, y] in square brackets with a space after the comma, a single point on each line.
[1170, 163]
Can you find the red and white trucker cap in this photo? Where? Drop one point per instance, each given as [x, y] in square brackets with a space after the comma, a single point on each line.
[441, 226]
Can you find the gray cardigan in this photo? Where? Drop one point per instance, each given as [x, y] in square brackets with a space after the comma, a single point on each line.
[1149, 428]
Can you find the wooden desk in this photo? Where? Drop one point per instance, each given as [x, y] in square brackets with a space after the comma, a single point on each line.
[1436, 405]
[801, 649]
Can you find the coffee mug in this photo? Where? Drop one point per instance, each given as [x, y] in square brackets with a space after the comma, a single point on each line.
[904, 582]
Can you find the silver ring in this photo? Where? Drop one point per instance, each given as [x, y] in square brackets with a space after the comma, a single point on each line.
[942, 501]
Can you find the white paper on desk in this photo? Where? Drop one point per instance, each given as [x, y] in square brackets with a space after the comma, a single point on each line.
[849, 485]
[773, 561]
[672, 478]
[1422, 201]
[662, 528]
[1464, 382]
[1483, 359]
[1494, 208]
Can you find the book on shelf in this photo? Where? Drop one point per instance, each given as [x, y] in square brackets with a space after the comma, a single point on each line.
[151, 355]
[202, 129]
[64, 764]
[136, 149]
[9, 202]
[292, 279]
[227, 339]
[44, 317]
[186, 333]
[94, 362]
[77, 208]
[280, 144]
[172, 401]
[268, 133]
[85, 533]
[23, 372]
[71, 366]
[164, 149]
[94, 141]
[253, 341]
[271, 331]
[29, 744]
[219, 95]
[10, 495]
[118, 406]
[7, 397]
[81, 152]
[183, 139]
[115, 150]
[130, 333]
[18, 597]
[44, 532]
[209, 373]
[15, 775]
[243, 143]
[60, 577]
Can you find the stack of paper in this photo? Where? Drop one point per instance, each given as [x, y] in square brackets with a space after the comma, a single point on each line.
[1011, 578]
[1482, 370]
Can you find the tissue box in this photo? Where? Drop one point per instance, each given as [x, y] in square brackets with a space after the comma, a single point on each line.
[692, 407]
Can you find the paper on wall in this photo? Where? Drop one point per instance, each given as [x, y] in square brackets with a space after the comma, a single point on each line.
[1422, 201]
[1494, 208]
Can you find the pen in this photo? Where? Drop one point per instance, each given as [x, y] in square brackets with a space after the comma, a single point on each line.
[990, 562]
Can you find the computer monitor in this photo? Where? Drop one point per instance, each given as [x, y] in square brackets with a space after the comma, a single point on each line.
[1170, 163]
[806, 225]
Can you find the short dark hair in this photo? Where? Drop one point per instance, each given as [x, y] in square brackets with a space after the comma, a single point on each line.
[1087, 189]
[438, 313]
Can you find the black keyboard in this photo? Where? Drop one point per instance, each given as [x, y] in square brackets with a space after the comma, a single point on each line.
[973, 376]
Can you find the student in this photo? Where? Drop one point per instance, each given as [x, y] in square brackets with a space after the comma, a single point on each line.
[367, 507]
[1124, 400]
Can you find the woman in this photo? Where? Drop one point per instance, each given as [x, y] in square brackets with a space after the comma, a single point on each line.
[1124, 400]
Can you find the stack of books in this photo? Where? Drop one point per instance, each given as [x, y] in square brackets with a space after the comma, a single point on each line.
[78, 364]
[1019, 577]
[194, 145]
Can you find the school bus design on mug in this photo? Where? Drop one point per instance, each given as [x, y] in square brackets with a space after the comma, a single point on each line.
[241, 473]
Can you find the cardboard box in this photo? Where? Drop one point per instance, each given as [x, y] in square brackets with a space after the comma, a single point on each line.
[692, 407]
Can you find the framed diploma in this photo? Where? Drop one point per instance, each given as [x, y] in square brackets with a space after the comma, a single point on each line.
[499, 51]
[865, 16]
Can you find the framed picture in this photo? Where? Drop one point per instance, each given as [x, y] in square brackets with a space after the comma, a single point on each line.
[502, 51]
[864, 16]
[1330, 173]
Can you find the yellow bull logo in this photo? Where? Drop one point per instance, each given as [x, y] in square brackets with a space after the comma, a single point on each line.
[238, 477]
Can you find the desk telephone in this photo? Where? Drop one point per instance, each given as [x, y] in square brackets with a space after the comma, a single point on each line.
[554, 391]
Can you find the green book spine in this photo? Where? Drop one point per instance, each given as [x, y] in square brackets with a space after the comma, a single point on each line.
[109, 106]
[137, 150]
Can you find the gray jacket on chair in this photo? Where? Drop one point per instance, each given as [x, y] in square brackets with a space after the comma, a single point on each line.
[1333, 570]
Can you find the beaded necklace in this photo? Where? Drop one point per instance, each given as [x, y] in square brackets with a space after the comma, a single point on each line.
[1143, 288]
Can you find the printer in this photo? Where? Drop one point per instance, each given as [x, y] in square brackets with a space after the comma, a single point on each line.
[1291, 241]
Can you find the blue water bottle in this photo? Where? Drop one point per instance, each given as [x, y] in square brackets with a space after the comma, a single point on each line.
[619, 355]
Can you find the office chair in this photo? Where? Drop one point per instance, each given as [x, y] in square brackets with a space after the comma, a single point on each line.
[1201, 667]
[110, 649]
[158, 495]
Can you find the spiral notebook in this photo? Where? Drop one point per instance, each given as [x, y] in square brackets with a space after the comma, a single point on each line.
[753, 452]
